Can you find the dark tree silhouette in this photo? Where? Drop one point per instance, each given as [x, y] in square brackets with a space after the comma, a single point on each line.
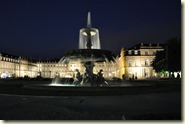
[160, 62]
[174, 54]
[170, 58]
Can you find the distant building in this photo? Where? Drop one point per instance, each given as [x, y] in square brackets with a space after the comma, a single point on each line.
[50, 69]
[47, 69]
[133, 61]
[137, 60]
[14, 66]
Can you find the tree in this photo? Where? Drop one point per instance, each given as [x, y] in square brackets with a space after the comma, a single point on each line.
[174, 54]
[170, 58]
[160, 62]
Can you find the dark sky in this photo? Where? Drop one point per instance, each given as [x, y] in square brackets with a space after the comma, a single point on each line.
[46, 29]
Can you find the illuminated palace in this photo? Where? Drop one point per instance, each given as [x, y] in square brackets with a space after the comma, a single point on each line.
[137, 60]
[134, 61]
[15, 66]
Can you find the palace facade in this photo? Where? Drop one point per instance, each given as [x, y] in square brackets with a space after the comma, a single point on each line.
[136, 61]
[55, 68]
[133, 61]
[15, 66]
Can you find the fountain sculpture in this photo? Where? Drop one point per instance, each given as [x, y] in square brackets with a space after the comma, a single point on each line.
[88, 59]
[88, 54]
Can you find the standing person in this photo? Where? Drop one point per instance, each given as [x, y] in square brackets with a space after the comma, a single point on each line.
[123, 77]
[133, 77]
[136, 77]
[130, 77]
[178, 75]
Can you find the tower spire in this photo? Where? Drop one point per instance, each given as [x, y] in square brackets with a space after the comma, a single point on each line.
[89, 20]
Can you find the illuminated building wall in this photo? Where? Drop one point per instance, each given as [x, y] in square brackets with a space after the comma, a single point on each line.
[138, 60]
[133, 61]
[14, 66]
[50, 69]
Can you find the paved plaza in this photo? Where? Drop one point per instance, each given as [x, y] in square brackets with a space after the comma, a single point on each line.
[138, 106]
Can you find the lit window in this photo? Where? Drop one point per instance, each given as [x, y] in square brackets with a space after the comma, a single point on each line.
[129, 52]
[146, 62]
[129, 63]
[154, 52]
[146, 52]
[136, 63]
[135, 52]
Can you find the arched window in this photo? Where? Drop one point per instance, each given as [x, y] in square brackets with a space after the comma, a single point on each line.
[135, 52]
[129, 63]
[146, 72]
[136, 63]
[146, 62]
[129, 52]
[146, 52]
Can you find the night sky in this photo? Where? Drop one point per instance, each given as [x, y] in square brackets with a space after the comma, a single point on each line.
[46, 29]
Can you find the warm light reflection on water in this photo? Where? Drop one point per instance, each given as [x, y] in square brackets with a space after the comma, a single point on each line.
[68, 85]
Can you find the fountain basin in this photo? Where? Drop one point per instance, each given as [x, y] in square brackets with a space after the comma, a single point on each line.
[84, 55]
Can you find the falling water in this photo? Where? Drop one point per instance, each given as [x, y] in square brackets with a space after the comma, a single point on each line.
[84, 55]
[95, 40]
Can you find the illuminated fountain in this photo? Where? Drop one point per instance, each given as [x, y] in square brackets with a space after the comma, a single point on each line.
[93, 34]
[88, 55]
[89, 72]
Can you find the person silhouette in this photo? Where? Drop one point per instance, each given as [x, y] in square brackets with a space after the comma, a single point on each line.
[178, 76]
[123, 77]
[133, 77]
